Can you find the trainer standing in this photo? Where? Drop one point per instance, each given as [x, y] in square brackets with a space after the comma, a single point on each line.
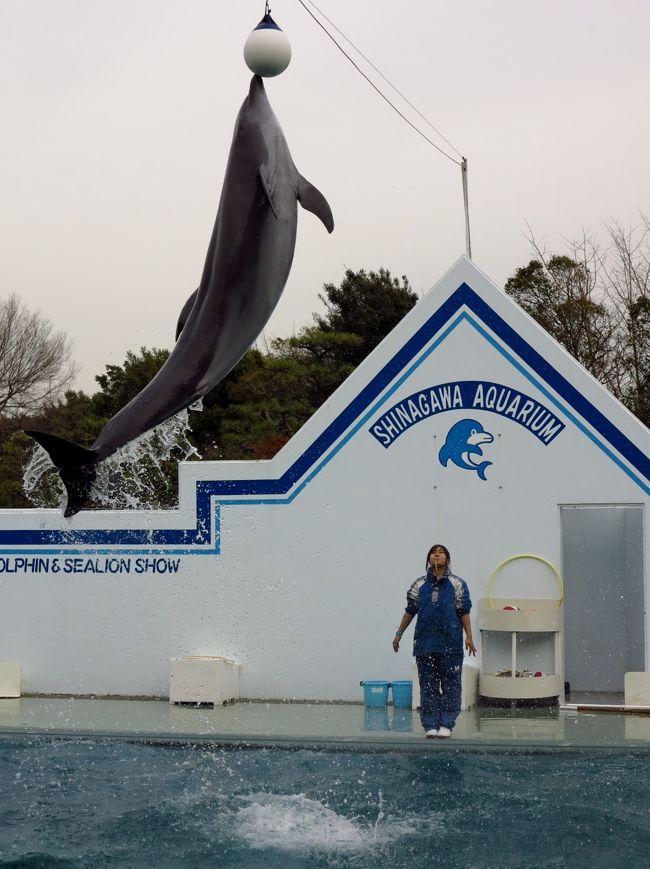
[442, 604]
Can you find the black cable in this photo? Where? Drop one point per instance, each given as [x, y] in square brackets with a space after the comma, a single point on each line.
[387, 80]
[372, 84]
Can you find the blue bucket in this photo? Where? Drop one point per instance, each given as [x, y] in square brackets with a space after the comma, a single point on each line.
[403, 694]
[375, 693]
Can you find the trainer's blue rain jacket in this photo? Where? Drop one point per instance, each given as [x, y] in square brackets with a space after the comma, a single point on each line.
[438, 605]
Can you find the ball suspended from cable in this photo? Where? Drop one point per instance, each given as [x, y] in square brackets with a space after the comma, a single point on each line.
[267, 50]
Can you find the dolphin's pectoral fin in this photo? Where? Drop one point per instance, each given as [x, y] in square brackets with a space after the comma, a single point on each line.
[267, 189]
[313, 200]
[185, 313]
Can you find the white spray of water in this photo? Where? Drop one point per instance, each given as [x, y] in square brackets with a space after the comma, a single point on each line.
[298, 824]
[132, 478]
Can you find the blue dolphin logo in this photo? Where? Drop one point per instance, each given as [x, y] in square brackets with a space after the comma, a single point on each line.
[462, 443]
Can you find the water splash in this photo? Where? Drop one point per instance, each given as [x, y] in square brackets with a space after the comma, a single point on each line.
[380, 815]
[137, 476]
[294, 822]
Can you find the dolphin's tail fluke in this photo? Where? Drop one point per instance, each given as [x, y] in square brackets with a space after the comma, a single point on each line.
[77, 468]
[480, 469]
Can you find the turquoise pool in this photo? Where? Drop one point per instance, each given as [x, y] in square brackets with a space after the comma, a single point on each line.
[110, 803]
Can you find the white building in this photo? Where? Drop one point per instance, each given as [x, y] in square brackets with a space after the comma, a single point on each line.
[298, 567]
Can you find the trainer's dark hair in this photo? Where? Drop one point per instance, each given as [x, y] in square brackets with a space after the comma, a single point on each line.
[438, 546]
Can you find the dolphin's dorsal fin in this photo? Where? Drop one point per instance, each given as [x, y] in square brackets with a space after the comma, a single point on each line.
[313, 200]
[265, 186]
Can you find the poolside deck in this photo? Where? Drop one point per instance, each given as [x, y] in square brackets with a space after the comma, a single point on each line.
[322, 725]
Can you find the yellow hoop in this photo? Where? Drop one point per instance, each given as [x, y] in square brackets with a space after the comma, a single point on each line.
[526, 555]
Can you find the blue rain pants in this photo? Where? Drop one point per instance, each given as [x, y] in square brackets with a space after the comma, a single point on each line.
[440, 688]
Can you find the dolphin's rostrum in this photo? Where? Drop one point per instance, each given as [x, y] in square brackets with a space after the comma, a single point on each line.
[246, 269]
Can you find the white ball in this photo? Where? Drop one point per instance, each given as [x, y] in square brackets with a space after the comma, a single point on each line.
[267, 50]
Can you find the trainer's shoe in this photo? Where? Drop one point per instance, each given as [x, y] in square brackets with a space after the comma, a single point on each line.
[443, 733]
[431, 734]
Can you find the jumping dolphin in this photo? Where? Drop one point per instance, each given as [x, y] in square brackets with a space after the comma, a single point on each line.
[462, 443]
[246, 269]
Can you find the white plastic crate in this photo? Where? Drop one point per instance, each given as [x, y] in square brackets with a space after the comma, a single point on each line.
[637, 689]
[203, 679]
[9, 680]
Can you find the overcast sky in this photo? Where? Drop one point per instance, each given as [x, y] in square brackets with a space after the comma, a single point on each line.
[117, 118]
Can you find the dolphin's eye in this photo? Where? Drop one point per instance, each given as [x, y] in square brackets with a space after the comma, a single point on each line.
[473, 431]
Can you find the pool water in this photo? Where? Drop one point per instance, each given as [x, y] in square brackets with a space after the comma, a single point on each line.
[76, 803]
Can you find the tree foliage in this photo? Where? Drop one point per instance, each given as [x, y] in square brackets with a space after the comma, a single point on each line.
[559, 293]
[14, 446]
[365, 304]
[626, 274]
[120, 383]
[596, 303]
[280, 390]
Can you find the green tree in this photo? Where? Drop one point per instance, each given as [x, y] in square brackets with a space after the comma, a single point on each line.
[278, 391]
[120, 383]
[207, 425]
[268, 404]
[560, 293]
[13, 448]
[366, 304]
[323, 358]
[75, 418]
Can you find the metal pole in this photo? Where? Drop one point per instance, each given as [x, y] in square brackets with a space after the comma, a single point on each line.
[468, 240]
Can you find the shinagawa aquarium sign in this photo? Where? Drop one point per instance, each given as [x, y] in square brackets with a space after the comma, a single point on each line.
[467, 395]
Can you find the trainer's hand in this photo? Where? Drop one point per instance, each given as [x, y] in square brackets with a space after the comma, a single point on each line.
[469, 645]
[396, 643]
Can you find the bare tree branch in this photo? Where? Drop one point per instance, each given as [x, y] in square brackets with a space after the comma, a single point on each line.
[596, 303]
[35, 361]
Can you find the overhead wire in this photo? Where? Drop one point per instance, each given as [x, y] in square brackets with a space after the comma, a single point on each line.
[385, 78]
[374, 86]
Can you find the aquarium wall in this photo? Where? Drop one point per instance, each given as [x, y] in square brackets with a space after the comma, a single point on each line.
[466, 426]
